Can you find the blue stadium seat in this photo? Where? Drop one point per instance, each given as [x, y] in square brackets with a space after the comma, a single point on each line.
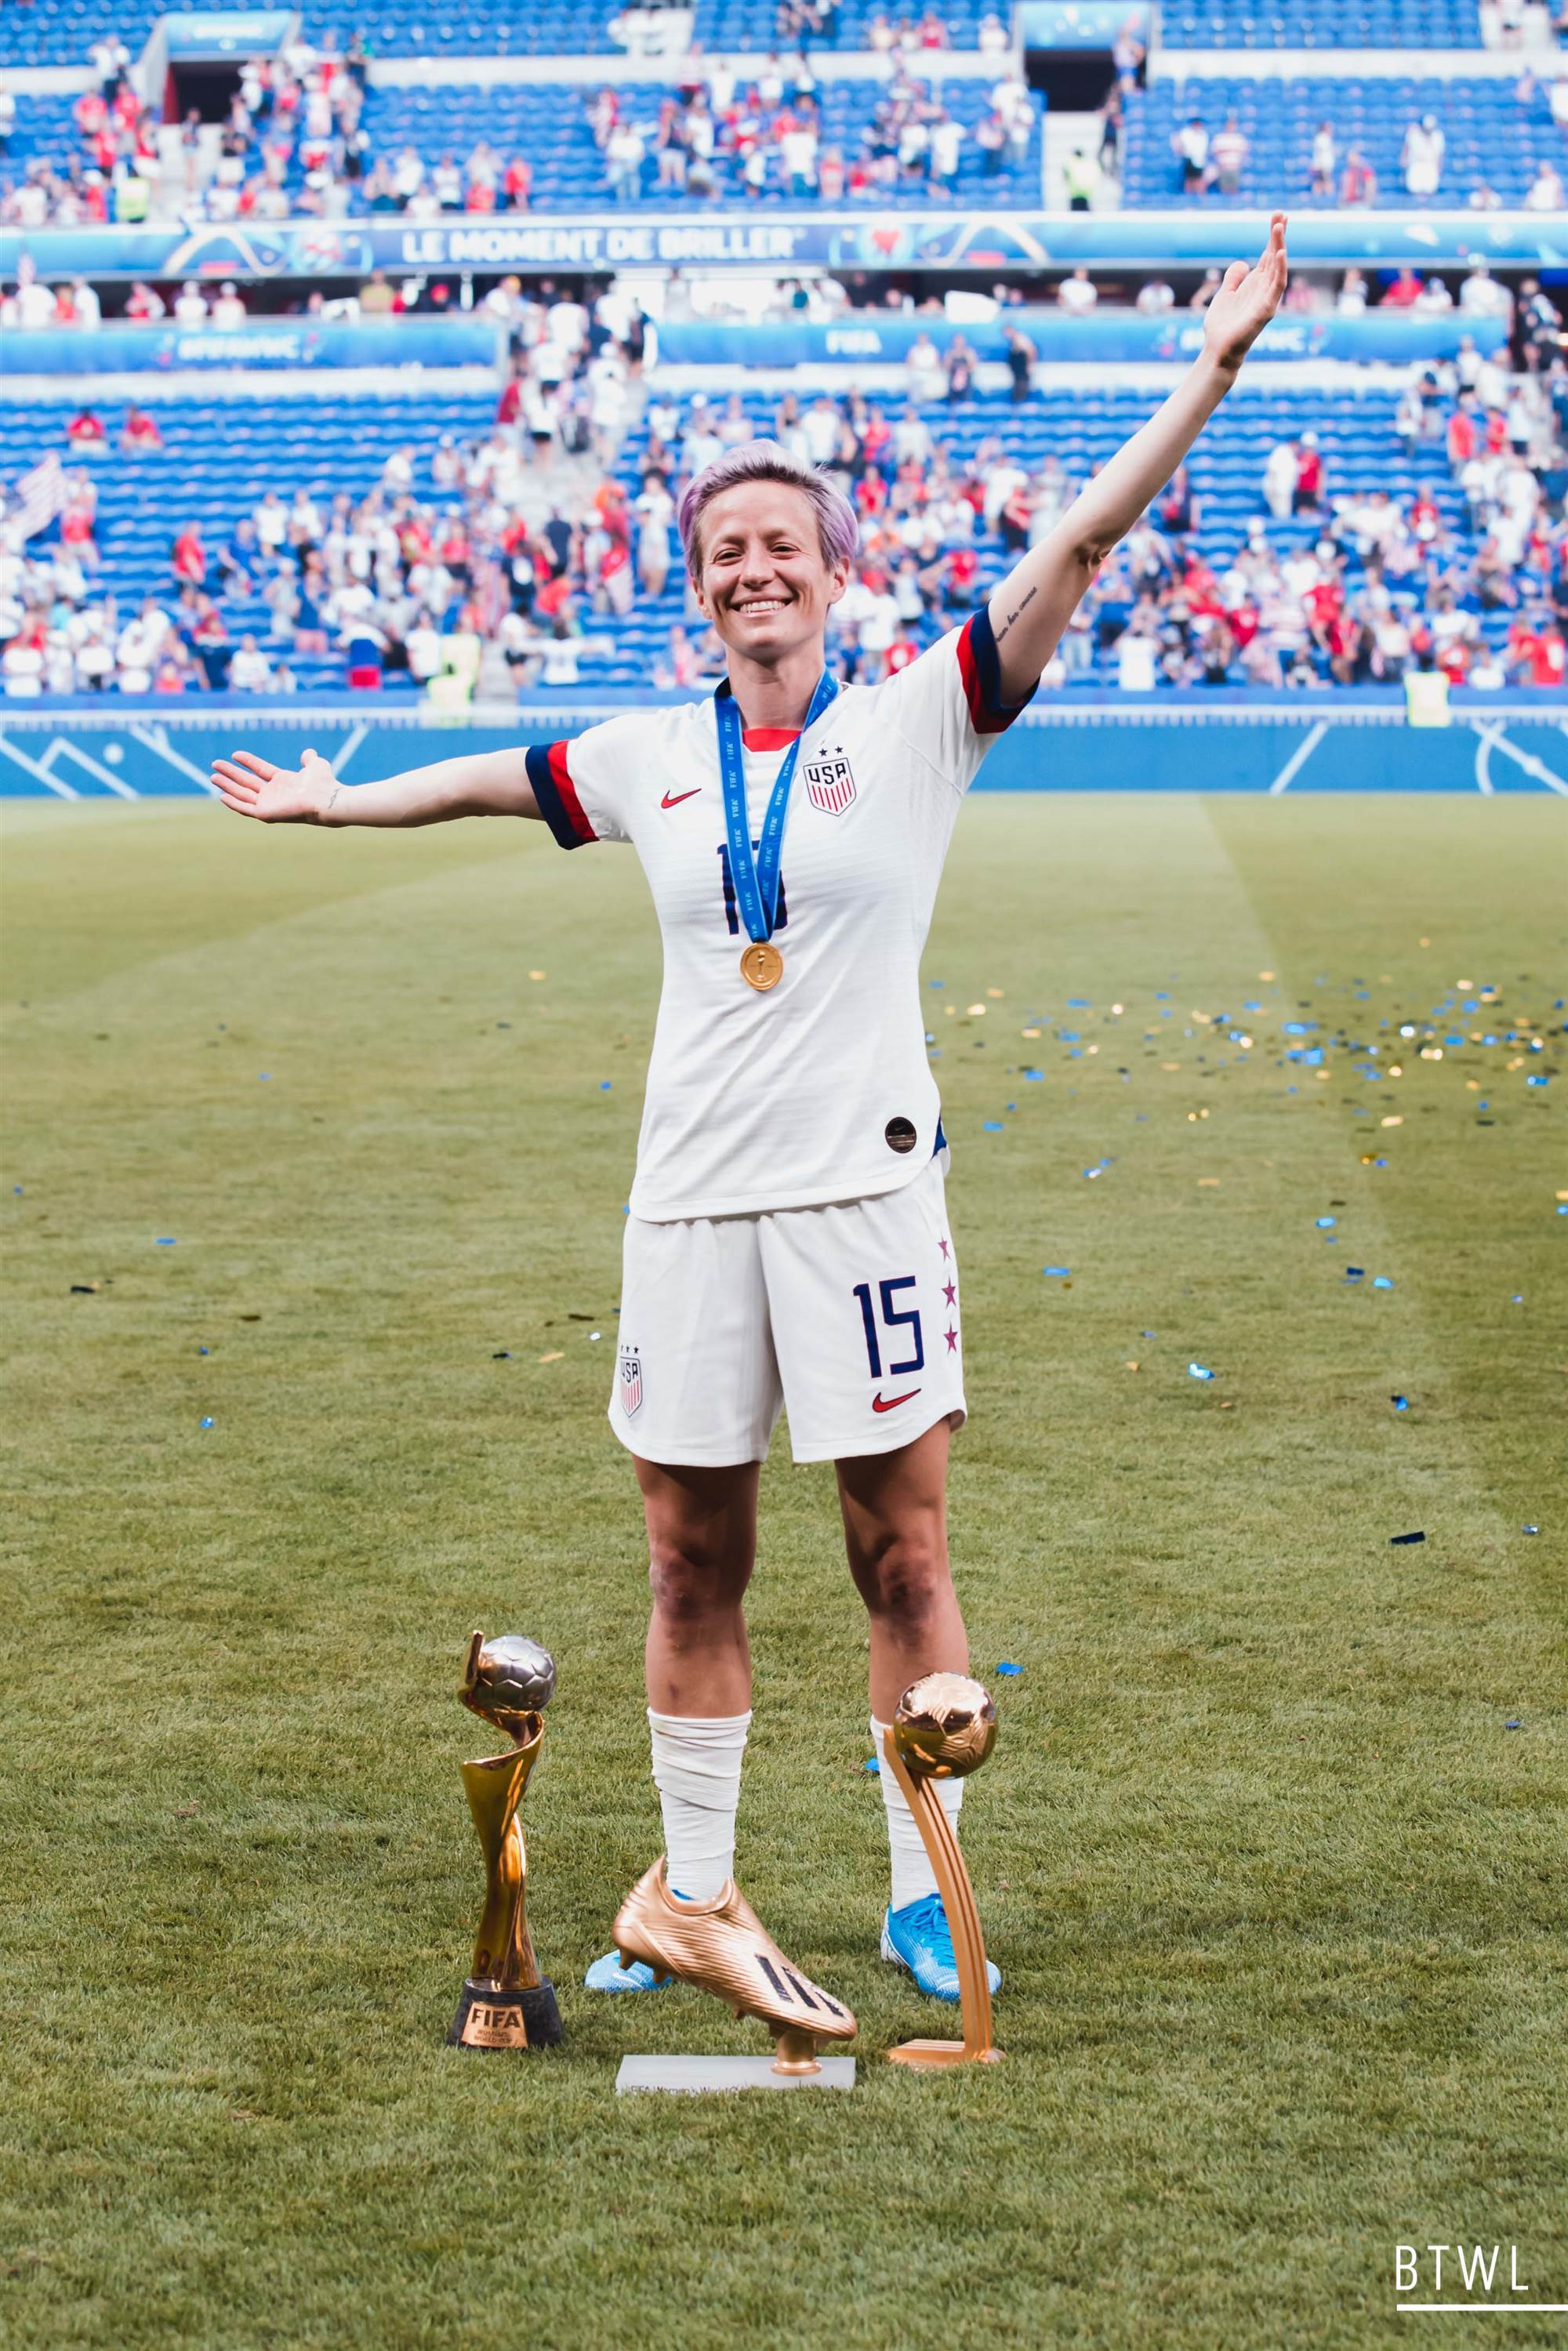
[1490, 136]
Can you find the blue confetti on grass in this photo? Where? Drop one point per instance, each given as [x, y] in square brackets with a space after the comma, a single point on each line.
[1326, 1224]
[870, 1763]
[1199, 1372]
[604, 1085]
[991, 1126]
[1009, 1670]
[166, 1240]
[1418, 1537]
[1381, 1281]
[1056, 1268]
[208, 1422]
[1514, 1725]
[1400, 1403]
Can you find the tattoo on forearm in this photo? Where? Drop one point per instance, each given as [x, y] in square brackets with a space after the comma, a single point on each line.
[331, 799]
[1023, 607]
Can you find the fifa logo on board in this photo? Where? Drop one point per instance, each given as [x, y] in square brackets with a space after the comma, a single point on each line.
[830, 783]
[630, 1380]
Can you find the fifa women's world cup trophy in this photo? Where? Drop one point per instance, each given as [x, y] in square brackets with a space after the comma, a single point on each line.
[505, 2004]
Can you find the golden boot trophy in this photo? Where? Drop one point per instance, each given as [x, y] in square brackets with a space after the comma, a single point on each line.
[722, 1947]
[505, 2004]
[945, 1727]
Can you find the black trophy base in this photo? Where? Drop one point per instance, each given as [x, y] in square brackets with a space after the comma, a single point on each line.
[491, 2019]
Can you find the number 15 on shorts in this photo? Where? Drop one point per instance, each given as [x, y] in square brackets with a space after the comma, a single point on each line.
[890, 1326]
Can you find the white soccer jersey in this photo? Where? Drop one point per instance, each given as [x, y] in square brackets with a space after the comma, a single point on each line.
[819, 1089]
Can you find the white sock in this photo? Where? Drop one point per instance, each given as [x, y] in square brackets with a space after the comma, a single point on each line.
[912, 1872]
[696, 1770]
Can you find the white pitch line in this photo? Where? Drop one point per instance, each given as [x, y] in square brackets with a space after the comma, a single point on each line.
[356, 737]
[156, 740]
[32, 768]
[62, 749]
[1298, 758]
[1482, 2306]
[1531, 763]
[1483, 761]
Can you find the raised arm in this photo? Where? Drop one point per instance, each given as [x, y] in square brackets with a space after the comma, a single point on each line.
[488, 783]
[1034, 604]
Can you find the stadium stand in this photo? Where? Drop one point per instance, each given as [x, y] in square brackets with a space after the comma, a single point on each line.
[1316, 536]
[552, 127]
[59, 32]
[1495, 136]
[1322, 24]
[1338, 523]
[476, 147]
[51, 32]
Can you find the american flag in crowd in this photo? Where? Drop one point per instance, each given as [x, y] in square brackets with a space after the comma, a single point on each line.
[41, 494]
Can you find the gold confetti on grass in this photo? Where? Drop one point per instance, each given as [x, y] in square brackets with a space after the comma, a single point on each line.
[558, 1357]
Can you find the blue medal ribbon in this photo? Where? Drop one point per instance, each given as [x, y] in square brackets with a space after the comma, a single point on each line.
[756, 873]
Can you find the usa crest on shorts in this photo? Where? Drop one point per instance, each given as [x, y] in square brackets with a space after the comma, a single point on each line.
[829, 783]
[630, 1380]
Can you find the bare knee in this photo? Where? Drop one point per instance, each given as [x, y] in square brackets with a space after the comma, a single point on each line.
[694, 1582]
[904, 1577]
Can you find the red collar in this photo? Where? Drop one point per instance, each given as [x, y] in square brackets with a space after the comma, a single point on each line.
[769, 738]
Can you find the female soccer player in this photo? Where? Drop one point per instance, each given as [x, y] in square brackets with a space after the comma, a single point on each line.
[789, 1242]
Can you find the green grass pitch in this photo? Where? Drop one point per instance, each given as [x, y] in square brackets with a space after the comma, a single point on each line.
[1276, 1886]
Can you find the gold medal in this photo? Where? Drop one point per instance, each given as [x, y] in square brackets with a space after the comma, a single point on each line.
[762, 965]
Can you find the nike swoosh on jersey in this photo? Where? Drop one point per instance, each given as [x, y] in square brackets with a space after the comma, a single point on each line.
[668, 802]
[880, 1402]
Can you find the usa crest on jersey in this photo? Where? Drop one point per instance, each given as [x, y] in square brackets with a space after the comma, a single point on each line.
[830, 783]
[630, 1380]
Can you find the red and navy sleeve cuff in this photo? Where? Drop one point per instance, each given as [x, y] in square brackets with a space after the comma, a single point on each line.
[979, 666]
[556, 795]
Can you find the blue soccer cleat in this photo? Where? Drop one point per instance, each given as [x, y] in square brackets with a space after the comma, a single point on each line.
[610, 1974]
[917, 1938]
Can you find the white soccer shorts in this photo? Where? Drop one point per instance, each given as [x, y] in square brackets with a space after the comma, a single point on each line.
[847, 1316]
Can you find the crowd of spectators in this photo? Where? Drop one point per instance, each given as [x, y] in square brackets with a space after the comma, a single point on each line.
[721, 132]
[1332, 581]
[463, 545]
[295, 141]
[292, 142]
[1209, 161]
[1379, 586]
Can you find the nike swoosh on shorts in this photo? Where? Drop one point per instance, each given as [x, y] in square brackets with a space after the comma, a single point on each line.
[880, 1402]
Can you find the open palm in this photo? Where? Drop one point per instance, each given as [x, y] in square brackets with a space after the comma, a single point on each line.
[254, 787]
[1247, 299]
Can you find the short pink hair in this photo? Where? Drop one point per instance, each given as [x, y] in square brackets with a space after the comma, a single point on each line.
[764, 461]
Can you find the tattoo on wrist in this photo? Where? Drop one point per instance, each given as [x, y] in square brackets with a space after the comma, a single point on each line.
[1023, 606]
[331, 799]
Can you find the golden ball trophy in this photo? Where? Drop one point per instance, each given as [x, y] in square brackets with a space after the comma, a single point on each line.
[505, 2004]
[945, 1727]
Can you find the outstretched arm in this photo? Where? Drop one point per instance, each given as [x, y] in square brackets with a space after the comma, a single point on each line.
[489, 783]
[1034, 604]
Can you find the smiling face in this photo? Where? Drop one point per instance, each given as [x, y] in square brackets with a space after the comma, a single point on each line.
[762, 579]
